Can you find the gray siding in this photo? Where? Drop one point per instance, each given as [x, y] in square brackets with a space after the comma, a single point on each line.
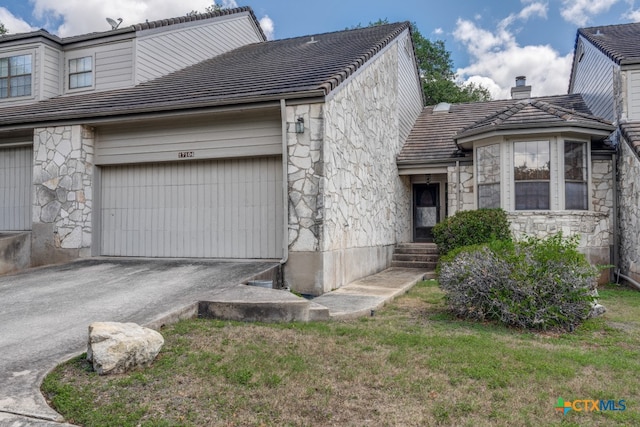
[633, 81]
[200, 209]
[161, 54]
[409, 87]
[16, 166]
[221, 136]
[113, 65]
[51, 72]
[593, 78]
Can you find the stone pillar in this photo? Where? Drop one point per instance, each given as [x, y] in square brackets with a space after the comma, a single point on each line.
[63, 193]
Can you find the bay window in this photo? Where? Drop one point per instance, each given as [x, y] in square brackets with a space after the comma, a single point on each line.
[532, 175]
[488, 161]
[575, 175]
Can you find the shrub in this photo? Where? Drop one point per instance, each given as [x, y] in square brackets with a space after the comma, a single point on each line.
[537, 284]
[471, 228]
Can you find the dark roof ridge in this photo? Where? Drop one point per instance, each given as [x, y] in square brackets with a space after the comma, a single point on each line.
[197, 17]
[335, 80]
[136, 27]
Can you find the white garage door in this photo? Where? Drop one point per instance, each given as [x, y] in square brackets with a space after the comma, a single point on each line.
[16, 166]
[201, 209]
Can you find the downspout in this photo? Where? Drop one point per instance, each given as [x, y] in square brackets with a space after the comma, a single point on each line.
[458, 187]
[614, 221]
[285, 185]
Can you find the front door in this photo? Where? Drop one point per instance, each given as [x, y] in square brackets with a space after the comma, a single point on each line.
[426, 211]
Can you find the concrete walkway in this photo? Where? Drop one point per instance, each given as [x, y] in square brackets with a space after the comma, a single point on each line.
[370, 293]
[45, 313]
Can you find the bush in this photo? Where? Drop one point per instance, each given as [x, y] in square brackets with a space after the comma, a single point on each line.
[536, 284]
[471, 228]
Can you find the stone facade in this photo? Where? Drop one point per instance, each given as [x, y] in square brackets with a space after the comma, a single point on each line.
[63, 193]
[460, 185]
[629, 211]
[348, 206]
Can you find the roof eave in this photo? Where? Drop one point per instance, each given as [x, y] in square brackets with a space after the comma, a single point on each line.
[592, 129]
[118, 114]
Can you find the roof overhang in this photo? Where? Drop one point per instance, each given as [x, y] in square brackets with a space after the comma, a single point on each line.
[593, 131]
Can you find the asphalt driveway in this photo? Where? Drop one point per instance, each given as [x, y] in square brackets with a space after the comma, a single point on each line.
[44, 314]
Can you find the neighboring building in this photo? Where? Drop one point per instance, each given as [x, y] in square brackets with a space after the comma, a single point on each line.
[195, 137]
[543, 160]
[606, 71]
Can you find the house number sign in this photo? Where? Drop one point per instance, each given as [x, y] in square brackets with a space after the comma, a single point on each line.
[185, 154]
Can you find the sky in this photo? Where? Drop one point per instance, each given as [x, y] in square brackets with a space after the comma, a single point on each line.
[491, 41]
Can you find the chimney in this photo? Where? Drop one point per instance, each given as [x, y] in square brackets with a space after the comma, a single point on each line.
[521, 90]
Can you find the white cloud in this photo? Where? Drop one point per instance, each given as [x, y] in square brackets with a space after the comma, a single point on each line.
[633, 15]
[438, 31]
[580, 11]
[496, 58]
[73, 17]
[227, 4]
[14, 24]
[267, 26]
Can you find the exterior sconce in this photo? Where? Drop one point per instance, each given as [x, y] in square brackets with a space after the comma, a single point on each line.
[300, 125]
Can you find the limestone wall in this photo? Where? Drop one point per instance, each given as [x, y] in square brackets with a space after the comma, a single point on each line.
[63, 194]
[629, 211]
[363, 193]
[348, 206]
[460, 185]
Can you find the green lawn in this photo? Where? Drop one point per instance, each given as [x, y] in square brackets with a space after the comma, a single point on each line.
[411, 364]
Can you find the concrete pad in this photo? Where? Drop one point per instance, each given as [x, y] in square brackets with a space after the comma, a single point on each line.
[252, 304]
[45, 312]
[359, 298]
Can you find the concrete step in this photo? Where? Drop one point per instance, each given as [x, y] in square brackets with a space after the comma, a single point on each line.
[415, 257]
[430, 266]
[407, 250]
[318, 312]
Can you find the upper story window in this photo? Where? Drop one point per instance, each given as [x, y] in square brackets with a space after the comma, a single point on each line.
[488, 161]
[81, 72]
[532, 174]
[15, 76]
[575, 175]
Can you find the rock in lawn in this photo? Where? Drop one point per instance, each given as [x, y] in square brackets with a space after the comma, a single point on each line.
[115, 348]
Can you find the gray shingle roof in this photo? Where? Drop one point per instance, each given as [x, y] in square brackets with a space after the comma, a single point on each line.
[296, 67]
[621, 42]
[433, 135]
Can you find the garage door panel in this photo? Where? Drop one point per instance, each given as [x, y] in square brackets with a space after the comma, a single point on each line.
[16, 168]
[210, 209]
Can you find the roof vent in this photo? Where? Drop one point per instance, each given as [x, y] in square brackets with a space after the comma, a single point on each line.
[598, 33]
[442, 107]
[313, 40]
[521, 90]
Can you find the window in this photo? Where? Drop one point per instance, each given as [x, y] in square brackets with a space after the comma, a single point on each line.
[531, 175]
[488, 161]
[15, 76]
[81, 72]
[575, 175]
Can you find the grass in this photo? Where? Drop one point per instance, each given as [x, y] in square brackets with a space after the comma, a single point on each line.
[411, 364]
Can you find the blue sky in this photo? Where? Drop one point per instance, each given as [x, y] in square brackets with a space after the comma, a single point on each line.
[491, 41]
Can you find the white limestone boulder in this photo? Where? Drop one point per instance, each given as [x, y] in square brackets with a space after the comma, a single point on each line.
[115, 348]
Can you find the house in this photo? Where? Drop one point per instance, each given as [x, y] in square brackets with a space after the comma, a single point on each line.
[194, 137]
[606, 71]
[543, 160]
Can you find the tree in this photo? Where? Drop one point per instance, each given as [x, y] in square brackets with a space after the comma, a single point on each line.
[436, 71]
[438, 78]
[210, 9]
[3, 29]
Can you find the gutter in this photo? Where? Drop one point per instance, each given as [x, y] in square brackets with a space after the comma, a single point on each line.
[285, 185]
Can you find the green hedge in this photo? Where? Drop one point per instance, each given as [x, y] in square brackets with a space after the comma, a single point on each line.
[471, 228]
